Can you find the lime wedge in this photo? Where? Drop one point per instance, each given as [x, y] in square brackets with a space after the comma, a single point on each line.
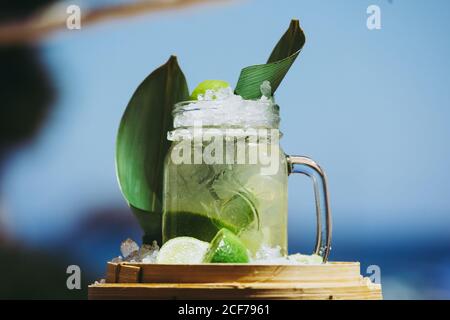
[208, 85]
[236, 207]
[182, 250]
[226, 248]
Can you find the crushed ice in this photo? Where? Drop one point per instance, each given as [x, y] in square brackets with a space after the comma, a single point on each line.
[224, 108]
[266, 89]
[268, 255]
[128, 247]
[131, 252]
[101, 281]
[220, 94]
[147, 253]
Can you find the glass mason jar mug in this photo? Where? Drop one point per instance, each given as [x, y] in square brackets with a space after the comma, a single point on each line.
[226, 169]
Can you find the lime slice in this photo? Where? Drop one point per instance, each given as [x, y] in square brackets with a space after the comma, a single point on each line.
[208, 85]
[236, 206]
[182, 250]
[239, 212]
[226, 248]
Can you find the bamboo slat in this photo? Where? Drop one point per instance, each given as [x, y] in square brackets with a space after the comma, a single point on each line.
[112, 272]
[129, 274]
[205, 273]
[336, 280]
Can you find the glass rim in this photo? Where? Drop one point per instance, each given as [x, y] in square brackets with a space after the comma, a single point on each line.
[177, 107]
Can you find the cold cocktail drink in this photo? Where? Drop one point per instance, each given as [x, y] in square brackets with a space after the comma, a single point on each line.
[225, 175]
[225, 169]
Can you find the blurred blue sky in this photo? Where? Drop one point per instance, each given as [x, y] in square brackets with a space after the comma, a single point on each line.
[371, 106]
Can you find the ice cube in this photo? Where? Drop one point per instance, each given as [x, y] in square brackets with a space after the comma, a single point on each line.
[266, 89]
[128, 247]
[305, 259]
[209, 95]
[150, 257]
[266, 252]
[270, 255]
[145, 248]
[118, 259]
[223, 93]
[149, 252]
[265, 188]
[133, 257]
[101, 281]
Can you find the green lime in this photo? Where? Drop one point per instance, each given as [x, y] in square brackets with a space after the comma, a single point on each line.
[182, 250]
[226, 248]
[208, 85]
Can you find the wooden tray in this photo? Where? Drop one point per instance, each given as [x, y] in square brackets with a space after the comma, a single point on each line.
[334, 280]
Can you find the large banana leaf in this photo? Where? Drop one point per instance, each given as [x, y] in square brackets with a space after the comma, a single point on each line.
[142, 143]
[278, 64]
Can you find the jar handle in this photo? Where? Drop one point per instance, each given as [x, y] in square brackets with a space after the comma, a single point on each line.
[307, 166]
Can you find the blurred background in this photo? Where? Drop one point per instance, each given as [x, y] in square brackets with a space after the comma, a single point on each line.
[371, 106]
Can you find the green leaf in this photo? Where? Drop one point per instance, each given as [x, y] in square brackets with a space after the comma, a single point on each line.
[278, 64]
[291, 42]
[142, 143]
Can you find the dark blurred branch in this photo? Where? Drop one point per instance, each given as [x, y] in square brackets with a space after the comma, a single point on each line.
[53, 18]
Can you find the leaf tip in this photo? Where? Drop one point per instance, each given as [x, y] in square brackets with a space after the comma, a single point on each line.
[172, 60]
[295, 23]
[294, 26]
